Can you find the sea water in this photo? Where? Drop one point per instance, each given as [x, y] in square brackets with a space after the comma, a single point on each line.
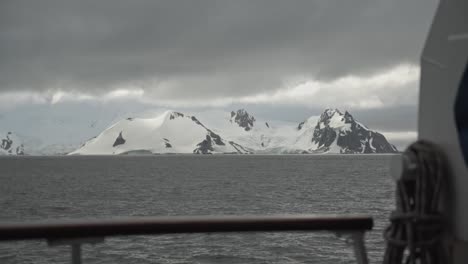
[46, 188]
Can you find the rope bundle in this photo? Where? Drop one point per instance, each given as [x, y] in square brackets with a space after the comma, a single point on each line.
[415, 233]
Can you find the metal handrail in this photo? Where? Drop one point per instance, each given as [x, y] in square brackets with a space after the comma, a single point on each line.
[77, 232]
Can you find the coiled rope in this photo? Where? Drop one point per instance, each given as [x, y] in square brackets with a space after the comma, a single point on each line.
[415, 233]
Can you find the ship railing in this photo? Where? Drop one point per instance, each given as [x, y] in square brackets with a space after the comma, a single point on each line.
[75, 233]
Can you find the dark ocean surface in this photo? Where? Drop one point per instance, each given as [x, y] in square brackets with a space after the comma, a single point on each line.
[42, 188]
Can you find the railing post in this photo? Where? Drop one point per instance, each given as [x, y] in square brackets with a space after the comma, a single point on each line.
[77, 233]
[76, 253]
[75, 246]
[355, 238]
[359, 247]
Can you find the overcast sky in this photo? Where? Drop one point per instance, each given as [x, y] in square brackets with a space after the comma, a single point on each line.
[279, 58]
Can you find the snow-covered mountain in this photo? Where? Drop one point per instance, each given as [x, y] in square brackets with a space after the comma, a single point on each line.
[236, 132]
[171, 132]
[11, 144]
[336, 132]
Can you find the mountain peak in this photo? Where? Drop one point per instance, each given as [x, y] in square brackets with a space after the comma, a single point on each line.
[174, 115]
[337, 131]
[329, 113]
[243, 119]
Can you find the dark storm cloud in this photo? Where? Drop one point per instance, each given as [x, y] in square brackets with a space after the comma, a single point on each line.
[208, 48]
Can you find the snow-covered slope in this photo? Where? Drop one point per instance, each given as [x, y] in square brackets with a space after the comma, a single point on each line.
[11, 144]
[331, 132]
[237, 132]
[243, 128]
[171, 132]
[336, 132]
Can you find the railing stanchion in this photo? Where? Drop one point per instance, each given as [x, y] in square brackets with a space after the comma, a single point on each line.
[77, 232]
[76, 253]
[359, 247]
[75, 245]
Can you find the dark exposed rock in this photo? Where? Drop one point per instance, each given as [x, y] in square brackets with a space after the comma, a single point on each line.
[194, 119]
[353, 141]
[166, 143]
[119, 140]
[204, 147]
[207, 145]
[380, 144]
[324, 137]
[243, 119]
[11, 147]
[240, 148]
[301, 124]
[7, 142]
[348, 117]
[130, 118]
[216, 138]
[174, 115]
[267, 125]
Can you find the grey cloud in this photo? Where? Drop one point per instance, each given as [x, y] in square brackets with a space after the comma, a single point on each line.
[212, 48]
